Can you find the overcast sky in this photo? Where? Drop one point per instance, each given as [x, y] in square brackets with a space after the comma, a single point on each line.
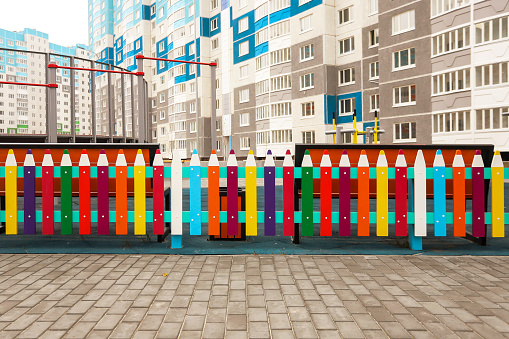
[64, 20]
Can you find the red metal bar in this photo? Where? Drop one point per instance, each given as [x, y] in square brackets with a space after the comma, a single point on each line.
[139, 56]
[28, 84]
[93, 69]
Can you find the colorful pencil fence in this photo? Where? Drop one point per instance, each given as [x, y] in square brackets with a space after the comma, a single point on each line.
[410, 217]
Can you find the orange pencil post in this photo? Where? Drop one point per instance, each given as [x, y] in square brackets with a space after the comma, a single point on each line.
[363, 195]
[458, 169]
[121, 187]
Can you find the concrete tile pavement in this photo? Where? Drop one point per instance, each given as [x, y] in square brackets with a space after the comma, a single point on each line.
[253, 296]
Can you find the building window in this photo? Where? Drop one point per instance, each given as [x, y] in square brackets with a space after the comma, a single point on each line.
[244, 71]
[308, 137]
[262, 61]
[347, 76]
[373, 38]
[345, 15]
[373, 70]
[214, 24]
[281, 136]
[192, 126]
[280, 56]
[452, 122]
[374, 102]
[162, 115]
[403, 22]
[347, 106]
[162, 98]
[245, 143]
[281, 109]
[492, 118]
[243, 24]
[441, 6]
[276, 5]
[451, 41]
[281, 82]
[307, 52]
[261, 11]
[215, 43]
[306, 24]
[243, 48]
[404, 131]
[214, 4]
[346, 45]
[451, 81]
[404, 95]
[493, 74]
[404, 59]
[280, 29]
[491, 30]
[244, 119]
[261, 36]
[262, 87]
[372, 6]
[262, 112]
[307, 81]
[192, 107]
[244, 95]
[308, 109]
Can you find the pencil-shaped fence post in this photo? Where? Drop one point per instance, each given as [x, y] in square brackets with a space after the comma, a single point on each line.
[325, 195]
[213, 194]
[251, 209]
[382, 195]
[121, 195]
[307, 195]
[363, 194]
[176, 201]
[401, 195]
[140, 208]
[158, 196]
[66, 193]
[458, 179]
[103, 205]
[48, 225]
[29, 193]
[11, 194]
[420, 195]
[344, 195]
[232, 195]
[288, 195]
[270, 194]
[497, 196]
[195, 194]
[478, 201]
[84, 198]
[439, 195]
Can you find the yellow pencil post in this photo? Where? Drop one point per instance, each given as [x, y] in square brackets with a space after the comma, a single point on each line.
[334, 126]
[11, 194]
[382, 196]
[140, 224]
[251, 220]
[376, 127]
[354, 140]
[497, 196]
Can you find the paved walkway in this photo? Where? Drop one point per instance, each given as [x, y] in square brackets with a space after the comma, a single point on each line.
[145, 296]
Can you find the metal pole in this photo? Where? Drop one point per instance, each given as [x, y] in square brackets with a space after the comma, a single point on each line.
[141, 102]
[148, 121]
[92, 92]
[124, 128]
[133, 120]
[111, 107]
[73, 103]
[213, 108]
[47, 59]
[51, 129]
[339, 139]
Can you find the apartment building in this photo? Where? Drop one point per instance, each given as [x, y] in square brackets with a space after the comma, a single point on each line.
[434, 70]
[23, 108]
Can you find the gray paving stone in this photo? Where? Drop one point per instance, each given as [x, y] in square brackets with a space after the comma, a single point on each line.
[80, 330]
[236, 322]
[258, 330]
[304, 329]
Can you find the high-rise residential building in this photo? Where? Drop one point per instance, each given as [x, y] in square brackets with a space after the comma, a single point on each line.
[436, 71]
[23, 108]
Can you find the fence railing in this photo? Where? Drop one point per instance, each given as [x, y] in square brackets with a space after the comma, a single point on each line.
[410, 217]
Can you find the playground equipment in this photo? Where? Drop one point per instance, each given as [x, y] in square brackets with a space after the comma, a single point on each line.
[410, 218]
[371, 133]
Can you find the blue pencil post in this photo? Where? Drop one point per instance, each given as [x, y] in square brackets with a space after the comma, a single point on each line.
[439, 195]
[414, 242]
